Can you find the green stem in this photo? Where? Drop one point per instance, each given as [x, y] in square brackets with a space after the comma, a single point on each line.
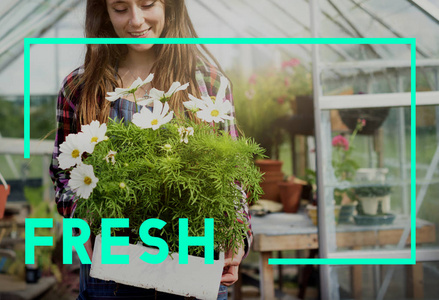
[135, 101]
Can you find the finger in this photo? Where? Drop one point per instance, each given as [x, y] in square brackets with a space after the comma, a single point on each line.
[228, 279]
[230, 275]
[89, 249]
[227, 283]
[227, 262]
[234, 262]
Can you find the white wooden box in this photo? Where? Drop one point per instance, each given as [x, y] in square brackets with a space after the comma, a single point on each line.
[195, 279]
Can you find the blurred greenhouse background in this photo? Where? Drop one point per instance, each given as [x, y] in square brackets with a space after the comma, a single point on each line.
[294, 100]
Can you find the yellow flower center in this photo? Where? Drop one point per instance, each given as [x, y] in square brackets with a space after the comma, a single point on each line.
[154, 122]
[87, 180]
[214, 113]
[75, 153]
[94, 139]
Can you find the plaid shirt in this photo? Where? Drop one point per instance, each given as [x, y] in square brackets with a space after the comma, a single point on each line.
[208, 80]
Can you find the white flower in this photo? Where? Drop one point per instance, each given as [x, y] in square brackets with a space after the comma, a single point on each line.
[71, 150]
[213, 111]
[122, 185]
[111, 156]
[195, 104]
[94, 133]
[154, 119]
[155, 94]
[216, 112]
[83, 180]
[120, 92]
[184, 133]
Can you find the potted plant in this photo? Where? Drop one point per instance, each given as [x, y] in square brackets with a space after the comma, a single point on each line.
[313, 213]
[343, 198]
[164, 168]
[344, 170]
[374, 118]
[5, 189]
[371, 196]
[383, 193]
[267, 96]
[371, 175]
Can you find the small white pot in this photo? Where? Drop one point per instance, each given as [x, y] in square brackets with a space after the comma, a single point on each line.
[371, 174]
[370, 205]
[195, 279]
[385, 204]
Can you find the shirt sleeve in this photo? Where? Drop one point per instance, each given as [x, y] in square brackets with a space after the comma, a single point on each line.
[65, 117]
[208, 80]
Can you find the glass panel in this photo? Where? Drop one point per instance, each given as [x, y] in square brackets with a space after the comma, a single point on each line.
[368, 174]
[405, 282]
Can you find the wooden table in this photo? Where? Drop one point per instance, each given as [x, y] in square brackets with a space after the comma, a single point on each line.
[281, 231]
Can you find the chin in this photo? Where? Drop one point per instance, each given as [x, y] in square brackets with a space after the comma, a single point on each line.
[141, 47]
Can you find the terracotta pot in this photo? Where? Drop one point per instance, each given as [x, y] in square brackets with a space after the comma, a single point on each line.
[270, 185]
[4, 193]
[269, 165]
[290, 193]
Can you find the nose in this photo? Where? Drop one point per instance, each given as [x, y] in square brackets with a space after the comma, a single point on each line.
[136, 19]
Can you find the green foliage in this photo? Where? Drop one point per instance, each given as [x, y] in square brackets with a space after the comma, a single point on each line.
[193, 180]
[11, 119]
[310, 177]
[43, 255]
[42, 117]
[345, 167]
[373, 191]
[268, 95]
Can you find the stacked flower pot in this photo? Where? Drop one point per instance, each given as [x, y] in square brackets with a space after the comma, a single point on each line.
[276, 189]
[271, 179]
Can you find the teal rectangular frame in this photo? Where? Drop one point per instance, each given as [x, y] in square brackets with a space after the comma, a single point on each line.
[272, 261]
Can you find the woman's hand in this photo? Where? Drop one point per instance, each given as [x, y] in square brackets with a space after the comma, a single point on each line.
[231, 265]
[88, 248]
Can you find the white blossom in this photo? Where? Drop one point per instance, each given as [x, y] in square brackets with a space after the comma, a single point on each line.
[155, 94]
[83, 180]
[71, 150]
[210, 110]
[121, 92]
[185, 133]
[160, 115]
[94, 133]
[111, 157]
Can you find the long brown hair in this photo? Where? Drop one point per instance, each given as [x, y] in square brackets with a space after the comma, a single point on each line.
[173, 62]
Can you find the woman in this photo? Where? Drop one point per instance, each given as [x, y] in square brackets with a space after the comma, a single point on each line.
[82, 99]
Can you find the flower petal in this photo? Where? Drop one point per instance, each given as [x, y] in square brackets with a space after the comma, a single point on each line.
[148, 79]
[136, 83]
[158, 107]
[156, 94]
[145, 102]
[173, 88]
[222, 89]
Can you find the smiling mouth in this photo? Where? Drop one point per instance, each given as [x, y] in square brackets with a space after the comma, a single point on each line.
[139, 34]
